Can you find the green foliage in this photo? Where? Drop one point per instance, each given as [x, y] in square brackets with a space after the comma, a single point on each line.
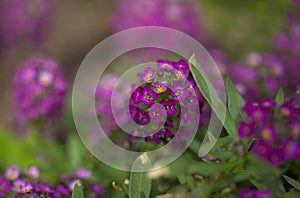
[78, 190]
[140, 183]
[211, 96]
[235, 101]
[292, 182]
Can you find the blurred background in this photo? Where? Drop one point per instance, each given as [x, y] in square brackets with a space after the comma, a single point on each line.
[236, 28]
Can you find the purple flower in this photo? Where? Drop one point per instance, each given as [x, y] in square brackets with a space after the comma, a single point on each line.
[147, 96]
[164, 65]
[246, 193]
[19, 186]
[267, 103]
[295, 129]
[12, 173]
[261, 149]
[32, 172]
[141, 117]
[4, 186]
[167, 13]
[169, 106]
[72, 184]
[268, 133]
[147, 75]
[255, 112]
[157, 113]
[179, 91]
[96, 190]
[61, 189]
[246, 130]
[38, 89]
[83, 173]
[159, 87]
[24, 21]
[276, 156]
[287, 110]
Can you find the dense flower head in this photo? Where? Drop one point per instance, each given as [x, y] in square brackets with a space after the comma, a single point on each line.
[38, 89]
[24, 21]
[27, 184]
[166, 97]
[277, 130]
[176, 14]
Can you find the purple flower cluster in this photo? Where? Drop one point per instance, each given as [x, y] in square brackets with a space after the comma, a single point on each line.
[38, 89]
[104, 100]
[16, 184]
[246, 193]
[277, 130]
[167, 96]
[24, 21]
[175, 14]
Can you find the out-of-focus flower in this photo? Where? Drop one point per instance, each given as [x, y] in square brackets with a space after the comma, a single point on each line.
[175, 14]
[24, 21]
[276, 143]
[246, 193]
[12, 173]
[96, 190]
[38, 89]
[83, 173]
[32, 172]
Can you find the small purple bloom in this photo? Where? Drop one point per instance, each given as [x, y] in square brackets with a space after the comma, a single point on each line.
[295, 129]
[19, 186]
[159, 87]
[83, 173]
[12, 173]
[287, 110]
[157, 113]
[246, 130]
[147, 75]
[179, 91]
[62, 190]
[96, 190]
[261, 149]
[169, 106]
[255, 112]
[268, 134]
[267, 103]
[32, 172]
[164, 65]
[147, 96]
[141, 117]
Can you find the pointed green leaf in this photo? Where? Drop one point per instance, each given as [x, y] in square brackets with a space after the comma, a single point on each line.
[235, 101]
[209, 93]
[280, 97]
[78, 190]
[140, 183]
[292, 182]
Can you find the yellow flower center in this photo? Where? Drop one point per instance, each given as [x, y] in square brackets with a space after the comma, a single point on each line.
[285, 112]
[178, 74]
[266, 134]
[148, 77]
[295, 131]
[159, 89]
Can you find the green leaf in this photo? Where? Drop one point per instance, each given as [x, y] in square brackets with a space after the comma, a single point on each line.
[140, 183]
[75, 151]
[235, 101]
[280, 97]
[209, 93]
[292, 182]
[292, 195]
[78, 190]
